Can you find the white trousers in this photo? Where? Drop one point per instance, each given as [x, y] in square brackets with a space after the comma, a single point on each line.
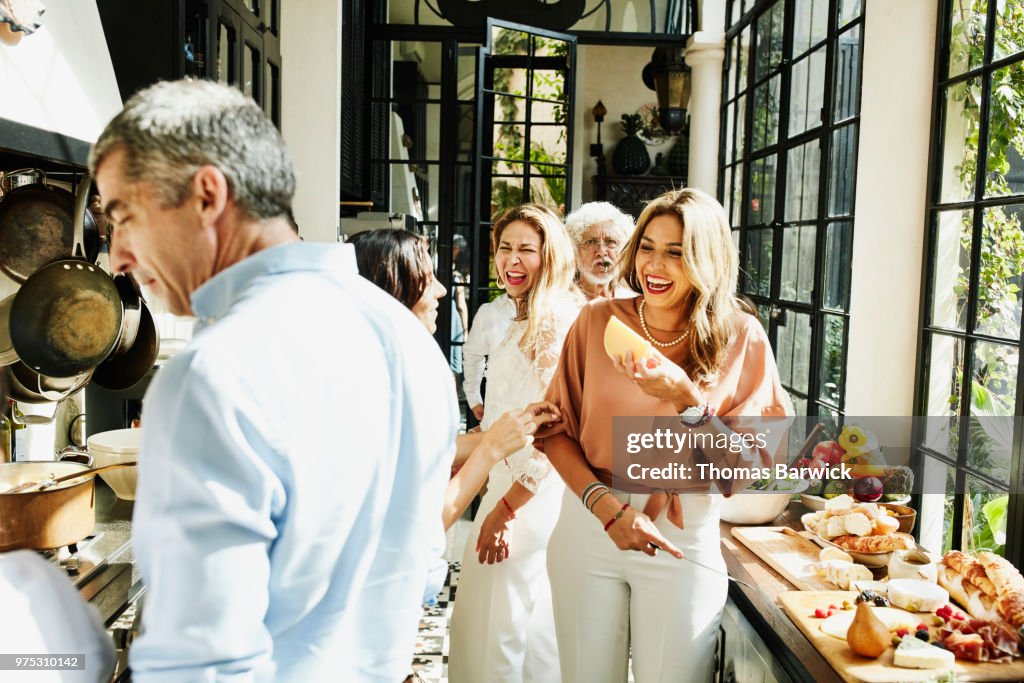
[607, 600]
[502, 628]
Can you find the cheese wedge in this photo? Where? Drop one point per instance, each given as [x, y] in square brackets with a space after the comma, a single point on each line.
[619, 338]
[912, 653]
[916, 595]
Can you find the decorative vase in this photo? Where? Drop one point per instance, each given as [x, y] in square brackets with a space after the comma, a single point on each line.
[631, 156]
[679, 155]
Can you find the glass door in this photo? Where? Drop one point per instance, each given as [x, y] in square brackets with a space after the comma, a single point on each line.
[524, 106]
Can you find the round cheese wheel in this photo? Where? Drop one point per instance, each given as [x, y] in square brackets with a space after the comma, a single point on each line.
[893, 618]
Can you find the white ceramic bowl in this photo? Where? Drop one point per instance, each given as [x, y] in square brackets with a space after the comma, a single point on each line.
[756, 507]
[815, 503]
[119, 445]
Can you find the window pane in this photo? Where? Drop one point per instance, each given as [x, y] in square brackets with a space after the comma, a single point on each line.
[739, 139]
[1009, 36]
[744, 63]
[803, 172]
[732, 67]
[945, 377]
[272, 103]
[838, 247]
[842, 181]
[810, 25]
[807, 93]
[762, 192]
[831, 364]
[766, 114]
[251, 72]
[727, 190]
[226, 55]
[737, 197]
[994, 378]
[730, 128]
[999, 277]
[465, 70]
[197, 23]
[758, 262]
[799, 404]
[798, 263]
[967, 44]
[989, 445]
[951, 269]
[984, 527]
[769, 39]
[959, 141]
[849, 10]
[847, 75]
[937, 482]
[794, 354]
[1005, 167]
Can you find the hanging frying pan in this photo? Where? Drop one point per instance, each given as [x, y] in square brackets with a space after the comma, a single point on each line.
[37, 227]
[7, 353]
[66, 317]
[123, 369]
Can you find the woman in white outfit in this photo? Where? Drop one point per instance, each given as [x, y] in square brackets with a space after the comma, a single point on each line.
[502, 625]
[710, 359]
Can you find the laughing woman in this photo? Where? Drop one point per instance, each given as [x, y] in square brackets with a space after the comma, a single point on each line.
[502, 625]
[713, 360]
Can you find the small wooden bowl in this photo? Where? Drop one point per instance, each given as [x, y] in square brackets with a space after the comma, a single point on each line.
[905, 515]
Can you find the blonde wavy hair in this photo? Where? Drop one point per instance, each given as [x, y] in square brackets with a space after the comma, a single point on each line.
[710, 263]
[558, 266]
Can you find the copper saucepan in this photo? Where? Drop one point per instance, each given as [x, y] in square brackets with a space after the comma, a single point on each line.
[42, 520]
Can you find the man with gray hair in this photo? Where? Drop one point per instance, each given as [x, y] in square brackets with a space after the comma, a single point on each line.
[600, 231]
[288, 493]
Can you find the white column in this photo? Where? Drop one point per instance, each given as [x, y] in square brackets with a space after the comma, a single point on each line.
[705, 54]
[311, 111]
[890, 216]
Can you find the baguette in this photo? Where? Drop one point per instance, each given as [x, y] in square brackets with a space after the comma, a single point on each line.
[1003, 575]
[876, 544]
[972, 570]
[978, 604]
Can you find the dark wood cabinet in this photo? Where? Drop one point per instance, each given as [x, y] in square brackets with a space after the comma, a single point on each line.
[230, 41]
[631, 193]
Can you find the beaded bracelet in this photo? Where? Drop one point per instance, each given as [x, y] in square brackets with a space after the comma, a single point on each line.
[616, 517]
[510, 510]
[593, 502]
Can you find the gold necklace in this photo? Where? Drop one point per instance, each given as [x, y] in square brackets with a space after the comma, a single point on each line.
[647, 333]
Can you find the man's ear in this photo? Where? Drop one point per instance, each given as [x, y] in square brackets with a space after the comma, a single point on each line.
[211, 193]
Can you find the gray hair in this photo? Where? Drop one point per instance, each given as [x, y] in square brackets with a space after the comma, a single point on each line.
[171, 129]
[598, 213]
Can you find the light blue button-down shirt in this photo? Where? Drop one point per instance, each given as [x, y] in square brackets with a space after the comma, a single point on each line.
[291, 478]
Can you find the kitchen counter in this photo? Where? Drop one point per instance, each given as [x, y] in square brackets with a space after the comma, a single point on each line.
[107, 577]
[794, 653]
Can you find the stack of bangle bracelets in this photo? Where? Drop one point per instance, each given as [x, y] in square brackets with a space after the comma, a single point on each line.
[592, 493]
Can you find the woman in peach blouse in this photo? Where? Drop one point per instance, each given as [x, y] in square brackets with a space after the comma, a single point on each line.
[711, 361]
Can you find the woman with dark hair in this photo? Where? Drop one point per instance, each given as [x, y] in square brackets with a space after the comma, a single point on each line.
[710, 361]
[398, 261]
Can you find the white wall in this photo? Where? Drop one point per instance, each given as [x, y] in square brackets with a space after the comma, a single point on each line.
[899, 50]
[60, 78]
[311, 110]
[610, 74]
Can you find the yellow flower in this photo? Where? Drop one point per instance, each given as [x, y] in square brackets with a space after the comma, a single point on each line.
[853, 440]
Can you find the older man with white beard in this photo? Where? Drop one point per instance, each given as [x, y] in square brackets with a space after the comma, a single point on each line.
[599, 230]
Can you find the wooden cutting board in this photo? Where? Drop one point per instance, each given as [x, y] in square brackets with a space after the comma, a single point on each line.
[800, 606]
[786, 552]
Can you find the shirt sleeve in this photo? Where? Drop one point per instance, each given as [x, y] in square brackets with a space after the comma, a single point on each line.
[206, 506]
[474, 354]
[760, 406]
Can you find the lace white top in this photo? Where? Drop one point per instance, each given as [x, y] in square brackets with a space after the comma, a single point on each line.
[518, 376]
[490, 324]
